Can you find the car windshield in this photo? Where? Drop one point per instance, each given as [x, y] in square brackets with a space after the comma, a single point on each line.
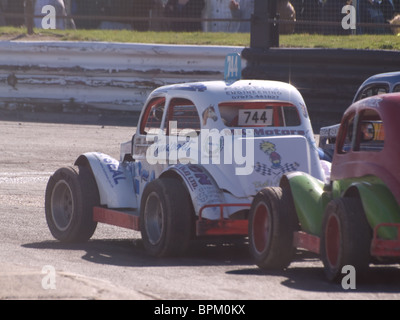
[259, 114]
[373, 90]
[372, 136]
[369, 134]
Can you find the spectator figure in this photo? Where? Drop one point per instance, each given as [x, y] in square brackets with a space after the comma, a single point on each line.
[331, 10]
[388, 9]
[68, 8]
[131, 9]
[396, 5]
[221, 9]
[13, 6]
[243, 9]
[184, 9]
[307, 10]
[157, 11]
[119, 8]
[61, 13]
[286, 12]
[86, 8]
[2, 19]
[395, 25]
[375, 11]
[144, 9]
[115, 9]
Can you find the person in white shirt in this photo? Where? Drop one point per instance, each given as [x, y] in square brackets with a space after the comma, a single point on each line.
[218, 9]
[243, 9]
[61, 23]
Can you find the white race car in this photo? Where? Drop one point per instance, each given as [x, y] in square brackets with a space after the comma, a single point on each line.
[200, 154]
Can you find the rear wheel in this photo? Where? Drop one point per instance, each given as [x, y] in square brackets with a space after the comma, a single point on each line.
[272, 222]
[69, 201]
[346, 238]
[166, 217]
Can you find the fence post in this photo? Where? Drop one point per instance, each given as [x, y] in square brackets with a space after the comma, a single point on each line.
[264, 34]
[29, 16]
[356, 5]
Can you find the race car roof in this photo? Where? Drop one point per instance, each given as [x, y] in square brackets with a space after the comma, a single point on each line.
[207, 93]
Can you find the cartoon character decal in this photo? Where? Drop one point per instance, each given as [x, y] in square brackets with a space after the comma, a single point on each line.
[270, 149]
[277, 168]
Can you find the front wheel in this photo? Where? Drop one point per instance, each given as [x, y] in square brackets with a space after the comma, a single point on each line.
[69, 201]
[346, 238]
[272, 222]
[166, 218]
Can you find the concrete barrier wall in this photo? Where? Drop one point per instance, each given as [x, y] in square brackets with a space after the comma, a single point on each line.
[327, 78]
[112, 76]
[64, 76]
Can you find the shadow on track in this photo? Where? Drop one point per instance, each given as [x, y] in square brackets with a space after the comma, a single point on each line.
[305, 273]
[379, 279]
[131, 253]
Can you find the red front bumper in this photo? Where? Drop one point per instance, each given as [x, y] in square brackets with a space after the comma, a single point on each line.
[222, 226]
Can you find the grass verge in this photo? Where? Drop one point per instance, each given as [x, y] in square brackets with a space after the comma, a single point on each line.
[372, 42]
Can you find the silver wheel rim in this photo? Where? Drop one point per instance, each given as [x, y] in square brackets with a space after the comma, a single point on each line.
[62, 205]
[153, 215]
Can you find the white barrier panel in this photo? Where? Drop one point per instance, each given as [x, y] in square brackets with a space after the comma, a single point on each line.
[111, 76]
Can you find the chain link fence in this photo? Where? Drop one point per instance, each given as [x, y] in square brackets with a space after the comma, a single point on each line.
[294, 16]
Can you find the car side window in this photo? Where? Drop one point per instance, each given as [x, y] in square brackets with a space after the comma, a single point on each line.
[260, 114]
[152, 117]
[396, 88]
[184, 114]
[370, 132]
[345, 136]
[373, 90]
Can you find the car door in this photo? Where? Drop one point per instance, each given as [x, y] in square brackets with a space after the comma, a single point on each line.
[147, 166]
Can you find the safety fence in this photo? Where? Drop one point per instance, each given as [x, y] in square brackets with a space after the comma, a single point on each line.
[294, 16]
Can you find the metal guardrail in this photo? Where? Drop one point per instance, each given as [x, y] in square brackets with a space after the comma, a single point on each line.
[72, 76]
[112, 76]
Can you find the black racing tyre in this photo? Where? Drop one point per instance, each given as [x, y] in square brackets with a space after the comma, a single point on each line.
[272, 222]
[346, 238]
[69, 201]
[166, 218]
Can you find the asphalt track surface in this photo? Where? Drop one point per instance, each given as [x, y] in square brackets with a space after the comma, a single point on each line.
[113, 264]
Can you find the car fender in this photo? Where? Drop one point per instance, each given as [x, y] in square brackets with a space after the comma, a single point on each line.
[202, 188]
[379, 204]
[269, 158]
[309, 200]
[114, 179]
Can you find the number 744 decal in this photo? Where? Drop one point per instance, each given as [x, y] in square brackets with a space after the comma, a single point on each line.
[251, 117]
